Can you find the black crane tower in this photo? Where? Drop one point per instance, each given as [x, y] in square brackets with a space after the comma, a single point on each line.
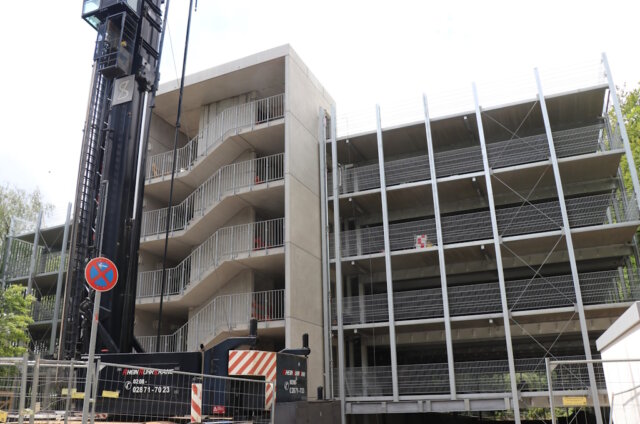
[110, 181]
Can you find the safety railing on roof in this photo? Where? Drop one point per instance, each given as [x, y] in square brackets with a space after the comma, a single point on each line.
[223, 313]
[19, 260]
[525, 219]
[490, 376]
[42, 310]
[541, 292]
[516, 151]
[224, 245]
[225, 182]
[228, 122]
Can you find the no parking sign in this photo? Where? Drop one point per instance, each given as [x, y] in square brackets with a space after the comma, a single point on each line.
[101, 274]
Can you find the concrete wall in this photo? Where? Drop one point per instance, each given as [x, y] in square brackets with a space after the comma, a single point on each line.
[303, 280]
[621, 342]
[208, 114]
[161, 134]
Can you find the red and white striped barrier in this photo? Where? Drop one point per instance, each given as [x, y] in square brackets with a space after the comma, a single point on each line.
[255, 362]
[196, 402]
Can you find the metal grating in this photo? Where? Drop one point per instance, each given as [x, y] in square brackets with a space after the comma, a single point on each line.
[598, 288]
[516, 151]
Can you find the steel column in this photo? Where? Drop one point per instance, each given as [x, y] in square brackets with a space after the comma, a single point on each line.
[23, 387]
[61, 270]
[547, 367]
[7, 252]
[566, 229]
[324, 226]
[387, 260]
[440, 242]
[497, 241]
[338, 259]
[623, 130]
[34, 252]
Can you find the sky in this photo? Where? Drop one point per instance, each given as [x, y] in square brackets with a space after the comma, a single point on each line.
[363, 53]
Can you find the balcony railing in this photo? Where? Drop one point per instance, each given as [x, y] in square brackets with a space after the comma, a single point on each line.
[471, 377]
[226, 181]
[598, 288]
[223, 313]
[42, 310]
[512, 221]
[225, 244]
[19, 260]
[228, 122]
[517, 151]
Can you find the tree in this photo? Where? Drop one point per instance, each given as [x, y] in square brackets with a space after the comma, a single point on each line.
[15, 202]
[15, 317]
[630, 106]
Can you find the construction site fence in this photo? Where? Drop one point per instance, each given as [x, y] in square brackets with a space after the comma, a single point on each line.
[34, 389]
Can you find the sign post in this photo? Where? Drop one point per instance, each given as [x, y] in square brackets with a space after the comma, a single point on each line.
[101, 275]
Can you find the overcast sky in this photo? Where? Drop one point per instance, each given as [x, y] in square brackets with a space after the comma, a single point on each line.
[363, 52]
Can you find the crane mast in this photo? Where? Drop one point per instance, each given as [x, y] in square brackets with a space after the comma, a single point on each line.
[110, 181]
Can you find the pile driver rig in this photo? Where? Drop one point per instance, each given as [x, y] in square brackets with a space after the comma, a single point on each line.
[110, 181]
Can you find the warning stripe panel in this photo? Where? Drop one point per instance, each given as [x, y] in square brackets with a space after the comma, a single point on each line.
[255, 362]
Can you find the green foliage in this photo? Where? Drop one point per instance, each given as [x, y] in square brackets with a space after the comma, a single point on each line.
[15, 202]
[15, 317]
[630, 106]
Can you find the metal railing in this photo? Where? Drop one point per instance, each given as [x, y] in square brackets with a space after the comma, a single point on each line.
[515, 220]
[490, 376]
[19, 260]
[229, 121]
[598, 288]
[223, 313]
[226, 181]
[225, 244]
[42, 310]
[517, 151]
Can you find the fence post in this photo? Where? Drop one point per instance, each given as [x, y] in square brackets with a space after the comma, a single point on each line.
[547, 365]
[68, 402]
[23, 387]
[273, 402]
[34, 388]
[94, 392]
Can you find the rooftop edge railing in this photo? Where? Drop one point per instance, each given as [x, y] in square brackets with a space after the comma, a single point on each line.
[491, 376]
[225, 244]
[19, 260]
[512, 221]
[229, 121]
[223, 313]
[602, 287]
[519, 150]
[226, 181]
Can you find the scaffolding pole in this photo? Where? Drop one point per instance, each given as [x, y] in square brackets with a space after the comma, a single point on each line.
[387, 261]
[441, 258]
[498, 253]
[566, 229]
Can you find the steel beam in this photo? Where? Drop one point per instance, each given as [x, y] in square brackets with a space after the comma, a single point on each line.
[566, 229]
[324, 225]
[498, 252]
[338, 264]
[61, 270]
[34, 252]
[440, 241]
[387, 260]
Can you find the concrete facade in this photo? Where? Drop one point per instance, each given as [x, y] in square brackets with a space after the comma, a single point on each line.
[619, 345]
[245, 240]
